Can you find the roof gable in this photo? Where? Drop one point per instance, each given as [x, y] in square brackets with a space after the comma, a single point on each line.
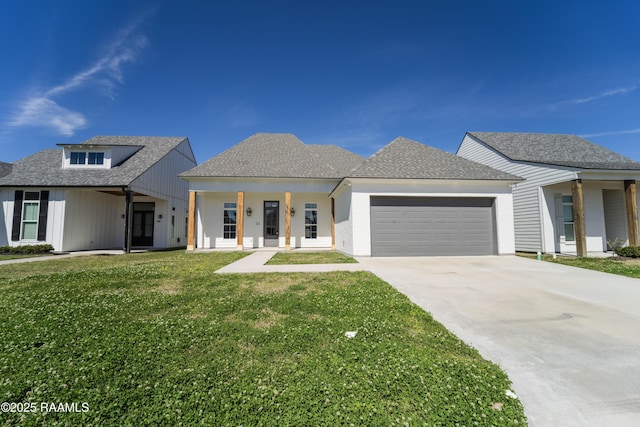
[44, 168]
[277, 155]
[555, 149]
[407, 159]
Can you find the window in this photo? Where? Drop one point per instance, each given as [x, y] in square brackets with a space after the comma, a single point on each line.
[96, 158]
[78, 157]
[30, 212]
[567, 214]
[230, 211]
[311, 220]
[86, 158]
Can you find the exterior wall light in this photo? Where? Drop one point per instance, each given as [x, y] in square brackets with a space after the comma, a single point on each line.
[249, 211]
[292, 211]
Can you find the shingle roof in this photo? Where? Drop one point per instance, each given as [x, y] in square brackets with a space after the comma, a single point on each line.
[278, 155]
[44, 168]
[5, 169]
[405, 158]
[555, 149]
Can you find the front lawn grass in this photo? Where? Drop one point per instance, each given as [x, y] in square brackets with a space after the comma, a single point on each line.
[310, 258]
[157, 339]
[4, 257]
[615, 265]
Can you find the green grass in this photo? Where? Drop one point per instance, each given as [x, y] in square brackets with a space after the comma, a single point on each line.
[620, 266]
[4, 257]
[310, 258]
[157, 339]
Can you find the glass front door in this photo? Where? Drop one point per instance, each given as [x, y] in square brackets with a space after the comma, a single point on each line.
[271, 223]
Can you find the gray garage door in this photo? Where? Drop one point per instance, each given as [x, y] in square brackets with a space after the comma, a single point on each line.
[413, 226]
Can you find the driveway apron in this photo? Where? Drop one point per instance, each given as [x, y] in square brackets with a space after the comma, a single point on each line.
[568, 338]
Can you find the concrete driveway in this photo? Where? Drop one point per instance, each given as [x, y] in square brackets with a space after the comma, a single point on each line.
[568, 338]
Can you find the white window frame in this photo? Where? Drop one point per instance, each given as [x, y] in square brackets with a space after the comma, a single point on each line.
[229, 230]
[29, 201]
[567, 201]
[311, 228]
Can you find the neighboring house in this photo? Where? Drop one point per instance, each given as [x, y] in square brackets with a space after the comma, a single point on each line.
[577, 196]
[107, 192]
[407, 199]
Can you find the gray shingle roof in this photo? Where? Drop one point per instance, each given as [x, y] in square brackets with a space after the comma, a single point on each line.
[44, 168]
[5, 169]
[555, 149]
[405, 158]
[278, 155]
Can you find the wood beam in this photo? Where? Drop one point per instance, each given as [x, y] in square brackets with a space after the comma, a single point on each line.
[631, 202]
[191, 223]
[578, 217]
[240, 220]
[287, 220]
[333, 224]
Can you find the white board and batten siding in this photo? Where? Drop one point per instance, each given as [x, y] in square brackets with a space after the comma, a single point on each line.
[527, 197]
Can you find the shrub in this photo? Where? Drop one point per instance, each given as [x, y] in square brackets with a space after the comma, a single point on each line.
[629, 251]
[26, 249]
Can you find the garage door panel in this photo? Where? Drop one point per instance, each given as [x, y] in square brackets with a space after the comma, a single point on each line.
[413, 226]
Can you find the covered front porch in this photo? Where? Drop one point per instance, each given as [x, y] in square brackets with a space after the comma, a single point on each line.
[260, 219]
[590, 215]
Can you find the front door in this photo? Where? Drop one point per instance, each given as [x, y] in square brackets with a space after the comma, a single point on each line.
[271, 223]
[143, 214]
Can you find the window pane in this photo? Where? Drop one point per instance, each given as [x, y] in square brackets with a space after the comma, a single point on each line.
[311, 206]
[567, 199]
[77, 157]
[567, 213]
[29, 230]
[32, 195]
[96, 158]
[30, 212]
[229, 217]
[229, 205]
[569, 233]
[311, 217]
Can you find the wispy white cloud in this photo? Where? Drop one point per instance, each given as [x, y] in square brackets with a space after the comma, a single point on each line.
[44, 109]
[611, 133]
[605, 94]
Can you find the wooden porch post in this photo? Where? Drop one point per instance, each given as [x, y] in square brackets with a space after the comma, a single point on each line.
[333, 224]
[631, 202]
[578, 217]
[191, 222]
[287, 220]
[240, 220]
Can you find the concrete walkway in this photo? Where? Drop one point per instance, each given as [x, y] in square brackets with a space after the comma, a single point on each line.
[254, 263]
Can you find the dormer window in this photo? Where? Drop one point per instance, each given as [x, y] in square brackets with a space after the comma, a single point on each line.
[89, 159]
[78, 157]
[96, 158]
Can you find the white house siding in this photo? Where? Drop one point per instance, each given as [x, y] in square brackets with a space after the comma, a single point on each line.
[55, 217]
[4, 224]
[362, 190]
[171, 194]
[210, 219]
[527, 202]
[343, 219]
[92, 220]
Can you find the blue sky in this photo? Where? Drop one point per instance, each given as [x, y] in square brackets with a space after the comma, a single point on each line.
[352, 73]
